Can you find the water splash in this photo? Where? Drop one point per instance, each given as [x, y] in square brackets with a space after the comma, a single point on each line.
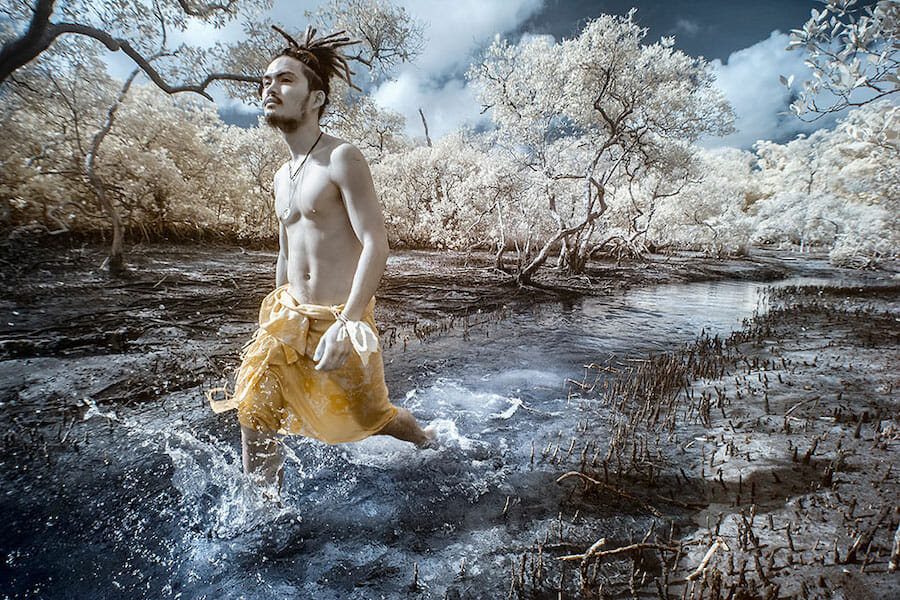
[353, 519]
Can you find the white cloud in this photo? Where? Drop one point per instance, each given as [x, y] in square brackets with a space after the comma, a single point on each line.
[454, 34]
[447, 106]
[750, 82]
[687, 26]
[454, 31]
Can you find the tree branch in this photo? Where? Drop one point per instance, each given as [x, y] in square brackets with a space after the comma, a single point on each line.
[12, 53]
[41, 34]
[206, 10]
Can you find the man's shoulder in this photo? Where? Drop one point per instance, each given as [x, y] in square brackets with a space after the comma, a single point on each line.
[281, 171]
[342, 150]
[345, 157]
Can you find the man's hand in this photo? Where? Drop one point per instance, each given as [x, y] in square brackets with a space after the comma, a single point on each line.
[333, 349]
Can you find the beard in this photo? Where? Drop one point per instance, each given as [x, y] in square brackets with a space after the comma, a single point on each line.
[284, 124]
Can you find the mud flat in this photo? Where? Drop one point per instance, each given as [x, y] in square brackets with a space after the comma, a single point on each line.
[58, 301]
[775, 447]
[768, 463]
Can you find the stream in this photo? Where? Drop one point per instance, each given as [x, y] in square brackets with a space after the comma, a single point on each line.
[148, 501]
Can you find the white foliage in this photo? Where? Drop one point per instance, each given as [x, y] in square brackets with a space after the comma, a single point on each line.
[709, 214]
[449, 195]
[601, 111]
[854, 54]
[837, 189]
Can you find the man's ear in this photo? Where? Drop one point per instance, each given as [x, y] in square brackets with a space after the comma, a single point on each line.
[319, 99]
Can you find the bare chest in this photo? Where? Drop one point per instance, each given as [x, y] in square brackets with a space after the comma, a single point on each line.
[308, 194]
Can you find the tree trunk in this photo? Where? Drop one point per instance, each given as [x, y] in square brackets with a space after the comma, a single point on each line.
[561, 259]
[22, 50]
[572, 255]
[501, 247]
[116, 264]
[425, 125]
[116, 252]
[525, 275]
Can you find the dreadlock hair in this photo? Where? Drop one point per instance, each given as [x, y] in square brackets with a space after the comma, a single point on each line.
[321, 58]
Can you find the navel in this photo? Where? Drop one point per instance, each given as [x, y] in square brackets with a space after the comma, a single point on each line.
[306, 276]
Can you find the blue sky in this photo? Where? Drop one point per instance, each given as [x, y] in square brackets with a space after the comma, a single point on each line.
[744, 40]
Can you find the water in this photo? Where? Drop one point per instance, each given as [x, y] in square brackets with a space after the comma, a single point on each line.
[149, 502]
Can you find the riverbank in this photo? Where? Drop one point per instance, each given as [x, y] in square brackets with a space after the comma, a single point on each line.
[770, 461]
[112, 459]
[422, 292]
[185, 311]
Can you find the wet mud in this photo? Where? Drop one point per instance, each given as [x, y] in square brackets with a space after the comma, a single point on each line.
[759, 466]
[768, 460]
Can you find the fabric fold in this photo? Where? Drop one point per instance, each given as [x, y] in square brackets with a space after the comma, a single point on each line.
[278, 388]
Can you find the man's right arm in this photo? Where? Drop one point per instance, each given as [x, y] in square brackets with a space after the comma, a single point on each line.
[281, 264]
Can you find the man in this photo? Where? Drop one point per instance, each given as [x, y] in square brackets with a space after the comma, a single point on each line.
[314, 367]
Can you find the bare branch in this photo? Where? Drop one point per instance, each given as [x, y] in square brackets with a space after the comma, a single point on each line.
[22, 50]
[205, 10]
[41, 34]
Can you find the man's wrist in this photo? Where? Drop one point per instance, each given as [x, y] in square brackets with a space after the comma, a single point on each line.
[344, 317]
[349, 317]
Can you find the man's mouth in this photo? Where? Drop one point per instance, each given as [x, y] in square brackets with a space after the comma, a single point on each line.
[271, 101]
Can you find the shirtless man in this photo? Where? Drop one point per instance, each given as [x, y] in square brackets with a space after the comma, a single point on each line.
[333, 244]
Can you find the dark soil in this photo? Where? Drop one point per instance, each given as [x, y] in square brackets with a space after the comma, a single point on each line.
[790, 427]
[777, 451]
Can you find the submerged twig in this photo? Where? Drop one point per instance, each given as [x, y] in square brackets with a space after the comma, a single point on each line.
[701, 568]
[613, 489]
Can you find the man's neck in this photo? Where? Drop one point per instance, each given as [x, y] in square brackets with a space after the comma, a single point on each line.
[301, 139]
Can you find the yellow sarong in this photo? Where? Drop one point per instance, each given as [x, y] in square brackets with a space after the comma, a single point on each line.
[279, 389]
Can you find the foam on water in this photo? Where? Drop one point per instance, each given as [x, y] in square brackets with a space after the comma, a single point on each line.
[353, 519]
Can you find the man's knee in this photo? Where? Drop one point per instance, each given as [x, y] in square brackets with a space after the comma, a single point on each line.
[259, 440]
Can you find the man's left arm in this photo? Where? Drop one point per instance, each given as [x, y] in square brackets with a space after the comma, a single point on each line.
[351, 174]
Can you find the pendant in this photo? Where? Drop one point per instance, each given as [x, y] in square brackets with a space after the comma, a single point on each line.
[301, 170]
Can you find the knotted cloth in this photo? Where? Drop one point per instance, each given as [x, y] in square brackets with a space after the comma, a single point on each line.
[279, 389]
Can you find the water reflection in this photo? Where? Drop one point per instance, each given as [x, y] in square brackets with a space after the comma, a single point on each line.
[172, 516]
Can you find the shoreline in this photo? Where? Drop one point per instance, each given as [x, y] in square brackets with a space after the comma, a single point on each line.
[71, 333]
[768, 460]
[422, 292]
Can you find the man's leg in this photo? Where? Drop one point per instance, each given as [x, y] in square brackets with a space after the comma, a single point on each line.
[404, 427]
[262, 456]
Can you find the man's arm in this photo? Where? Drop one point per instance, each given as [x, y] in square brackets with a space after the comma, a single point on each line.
[351, 174]
[281, 264]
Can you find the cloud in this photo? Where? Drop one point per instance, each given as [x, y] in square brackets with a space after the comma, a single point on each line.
[447, 106]
[455, 31]
[688, 27]
[750, 81]
[454, 34]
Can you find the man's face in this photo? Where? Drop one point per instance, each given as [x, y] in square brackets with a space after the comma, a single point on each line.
[287, 99]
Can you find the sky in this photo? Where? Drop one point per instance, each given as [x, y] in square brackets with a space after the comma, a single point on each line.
[744, 41]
